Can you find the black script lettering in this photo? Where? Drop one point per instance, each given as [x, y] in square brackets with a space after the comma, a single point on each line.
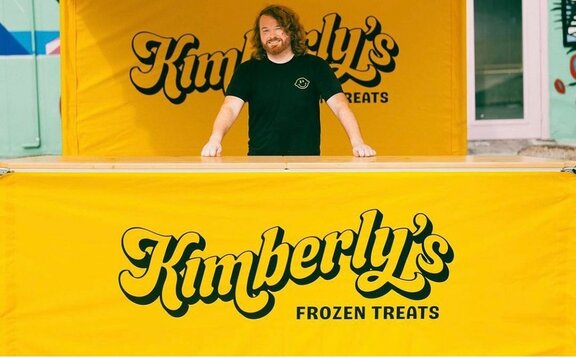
[160, 257]
[207, 71]
[176, 66]
[384, 259]
[356, 54]
[167, 64]
[382, 56]
[389, 250]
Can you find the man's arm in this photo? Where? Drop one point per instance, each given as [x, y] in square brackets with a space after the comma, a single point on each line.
[226, 116]
[339, 105]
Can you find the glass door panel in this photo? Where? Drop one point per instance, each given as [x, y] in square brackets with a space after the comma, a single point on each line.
[505, 55]
[498, 58]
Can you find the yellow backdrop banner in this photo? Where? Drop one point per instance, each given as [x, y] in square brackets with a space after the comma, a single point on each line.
[148, 77]
[265, 264]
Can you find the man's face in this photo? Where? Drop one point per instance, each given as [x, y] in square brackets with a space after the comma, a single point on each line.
[273, 37]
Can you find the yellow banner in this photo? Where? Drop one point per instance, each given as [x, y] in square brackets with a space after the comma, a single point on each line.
[266, 264]
[148, 77]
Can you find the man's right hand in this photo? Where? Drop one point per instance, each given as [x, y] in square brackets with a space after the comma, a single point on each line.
[212, 149]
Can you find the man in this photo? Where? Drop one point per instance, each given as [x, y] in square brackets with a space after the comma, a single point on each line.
[283, 86]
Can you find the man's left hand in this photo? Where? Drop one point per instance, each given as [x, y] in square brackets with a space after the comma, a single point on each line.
[363, 150]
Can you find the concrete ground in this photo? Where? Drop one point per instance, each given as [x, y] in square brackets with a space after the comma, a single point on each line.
[524, 147]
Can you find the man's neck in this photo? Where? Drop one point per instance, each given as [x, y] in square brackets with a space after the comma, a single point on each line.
[282, 57]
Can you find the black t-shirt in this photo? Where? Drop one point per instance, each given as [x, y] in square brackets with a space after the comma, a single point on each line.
[284, 103]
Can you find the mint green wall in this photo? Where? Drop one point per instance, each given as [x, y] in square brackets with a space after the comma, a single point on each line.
[30, 84]
[562, 106]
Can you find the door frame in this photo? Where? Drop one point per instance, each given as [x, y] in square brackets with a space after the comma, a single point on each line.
[535, 124]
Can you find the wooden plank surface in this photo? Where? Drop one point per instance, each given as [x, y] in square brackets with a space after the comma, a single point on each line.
[283, 163]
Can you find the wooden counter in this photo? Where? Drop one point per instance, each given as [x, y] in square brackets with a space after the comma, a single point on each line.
[178, 256]
[322, 163]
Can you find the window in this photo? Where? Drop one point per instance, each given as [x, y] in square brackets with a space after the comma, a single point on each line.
[505, 61]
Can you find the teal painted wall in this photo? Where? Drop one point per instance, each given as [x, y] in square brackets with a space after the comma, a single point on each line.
[29, 82]
[562, 73]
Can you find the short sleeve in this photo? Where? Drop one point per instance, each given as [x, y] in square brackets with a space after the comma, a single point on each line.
[240, 83]
[328, 84]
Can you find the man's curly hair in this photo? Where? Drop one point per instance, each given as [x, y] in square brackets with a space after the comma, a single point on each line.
[289, 21]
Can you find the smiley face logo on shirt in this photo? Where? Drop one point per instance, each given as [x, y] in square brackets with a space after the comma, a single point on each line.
[302, 83]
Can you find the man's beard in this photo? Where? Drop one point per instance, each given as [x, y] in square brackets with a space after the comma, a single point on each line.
[278, 48]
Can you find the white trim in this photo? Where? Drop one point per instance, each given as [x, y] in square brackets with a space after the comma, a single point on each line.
[470, 67]
[544, 75]
[535, 123]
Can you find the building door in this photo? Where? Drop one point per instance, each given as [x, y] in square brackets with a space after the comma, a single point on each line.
[506, 57]
[29, 78]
